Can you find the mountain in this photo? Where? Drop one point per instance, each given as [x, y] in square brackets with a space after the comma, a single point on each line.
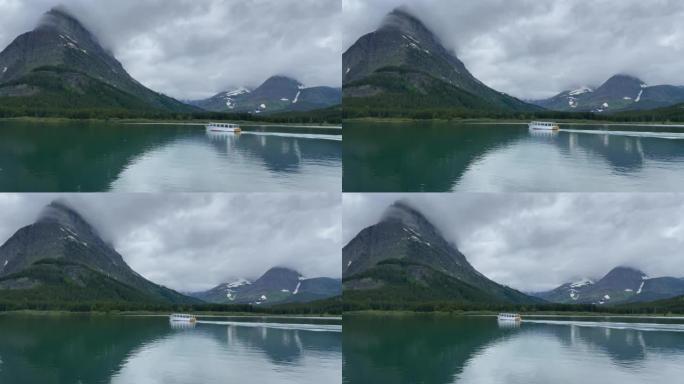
[276, 286]
[62, 257]
[277, 94]
[222, 100]
[620, 285]
[619, 93]
[60, 64]
[405, 258]
[404, 65]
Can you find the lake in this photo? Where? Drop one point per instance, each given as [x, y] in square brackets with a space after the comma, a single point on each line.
[450, 349]
[447, 156]
[102, 157]
[118, 349]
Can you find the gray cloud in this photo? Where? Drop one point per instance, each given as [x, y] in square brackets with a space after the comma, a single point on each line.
[539, 241]
[534, 49]
[196, 241]
[193, 49]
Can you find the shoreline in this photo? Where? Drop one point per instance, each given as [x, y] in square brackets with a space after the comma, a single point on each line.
[61, 313]
[549, 314]
[198, 122]
[483, 121]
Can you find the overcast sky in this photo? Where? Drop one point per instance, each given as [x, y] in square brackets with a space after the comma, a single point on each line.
[534, 49]
[196, 241]
[196, 48]
[538, 241]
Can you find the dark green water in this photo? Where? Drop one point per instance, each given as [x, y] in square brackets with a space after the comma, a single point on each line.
[44, 350]
[443, 156]
[439, 350]
[99, 157]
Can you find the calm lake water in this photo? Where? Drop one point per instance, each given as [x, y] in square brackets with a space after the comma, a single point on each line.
[98, 157]
[442, 349]
[44, 350]
[443, 156]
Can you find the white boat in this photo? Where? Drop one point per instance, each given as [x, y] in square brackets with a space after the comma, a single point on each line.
[515, 317]
[223, 127]
[182, 318]
[543, 126]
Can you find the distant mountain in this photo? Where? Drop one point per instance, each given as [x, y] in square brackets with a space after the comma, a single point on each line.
[60, 64]
[619, 93]
[277, 94]
[276, 286]
[620, 285]
[405, 258]
[404, 65]
[221, 101]
[62, 257]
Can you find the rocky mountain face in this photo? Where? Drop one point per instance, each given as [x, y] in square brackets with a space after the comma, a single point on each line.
[276, 286]
[620, 285]
[405, 253]
[619, 93]
[62, 249]
[61, 64]
[403, 64]
[277, 94]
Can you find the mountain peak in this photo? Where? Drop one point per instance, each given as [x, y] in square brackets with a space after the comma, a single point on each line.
[624, 270]
[403, 212]
[282, 271]
[60, 212]
[402, 20]
[399, 17]
[60, 19]
[623, 80]
[281, 78]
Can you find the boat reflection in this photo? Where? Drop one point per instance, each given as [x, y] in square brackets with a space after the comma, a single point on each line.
[181, 324]
[508, 324]
[545, 133]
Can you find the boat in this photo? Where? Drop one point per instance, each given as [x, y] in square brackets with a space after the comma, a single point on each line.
[515, 317]
[182, 318]
[224, 127]
[543, 126]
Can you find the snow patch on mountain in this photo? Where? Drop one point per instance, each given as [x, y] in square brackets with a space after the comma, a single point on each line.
[238, 283]
[638, 98]
[236, 92]
[581, 283]
[580, 90]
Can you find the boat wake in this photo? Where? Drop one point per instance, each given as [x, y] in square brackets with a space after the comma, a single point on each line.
[656, 135]
[295, 135]
[287, 326]
[614, 325]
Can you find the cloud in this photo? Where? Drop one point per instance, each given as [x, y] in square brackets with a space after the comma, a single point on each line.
[539, 241]
[194, 49]
[535, 49]
[196, 241]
